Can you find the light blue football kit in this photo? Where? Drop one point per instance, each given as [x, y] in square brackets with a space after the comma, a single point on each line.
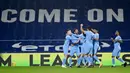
[88, 46]
[96, 47]
[66, 44]
[82, 41]
[117, 47]
[117, 50]
[96, 43]
[66, 48]
[74, 49]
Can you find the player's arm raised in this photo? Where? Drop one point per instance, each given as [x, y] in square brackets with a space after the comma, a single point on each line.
[81, 28]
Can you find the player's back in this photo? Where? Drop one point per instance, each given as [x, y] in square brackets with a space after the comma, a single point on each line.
[89, 37]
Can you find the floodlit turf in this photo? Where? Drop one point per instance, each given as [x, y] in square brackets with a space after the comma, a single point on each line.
[58, 69]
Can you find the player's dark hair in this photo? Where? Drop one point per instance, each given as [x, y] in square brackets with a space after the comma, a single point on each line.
[75, 29]
[88, 27]
[67, 30]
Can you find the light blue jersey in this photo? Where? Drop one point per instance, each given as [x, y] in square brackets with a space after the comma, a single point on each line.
[96, 47]
[96, 43]
[96, 36]
[82, 41]
[74, 39]
[75, 47]
[117, 47]
[89, 37]
[75, 35]
[117, 50]
[82, 38]
[117, 44]
[66, 44]
[88, 45]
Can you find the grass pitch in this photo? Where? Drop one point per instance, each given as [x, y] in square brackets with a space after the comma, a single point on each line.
[58, 69]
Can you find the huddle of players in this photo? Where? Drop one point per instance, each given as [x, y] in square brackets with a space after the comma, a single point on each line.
[88, 41]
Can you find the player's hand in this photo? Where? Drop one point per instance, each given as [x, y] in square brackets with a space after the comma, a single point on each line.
[81, 25]
[72, 44]
[112, 39]
[80, 39]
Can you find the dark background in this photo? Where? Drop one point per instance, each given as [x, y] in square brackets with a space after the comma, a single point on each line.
[11, 33]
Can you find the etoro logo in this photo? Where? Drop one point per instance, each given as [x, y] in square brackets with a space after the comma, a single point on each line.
[46, 48]
[25, 47]
[32, 48]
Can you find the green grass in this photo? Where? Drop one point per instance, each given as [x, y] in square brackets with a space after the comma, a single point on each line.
[58, 69]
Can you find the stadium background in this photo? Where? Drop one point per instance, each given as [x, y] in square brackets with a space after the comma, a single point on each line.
[50, 35]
